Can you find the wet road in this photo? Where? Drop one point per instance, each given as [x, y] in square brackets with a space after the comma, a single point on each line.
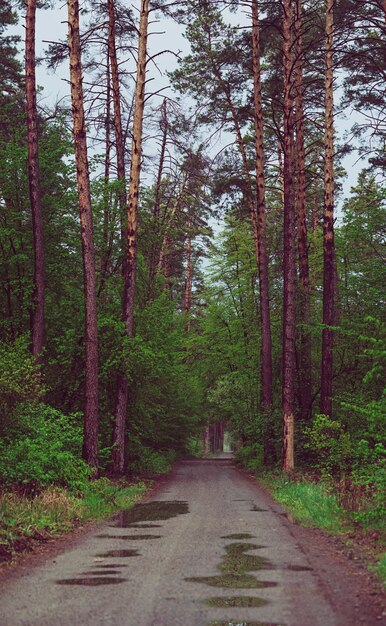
[209, 548]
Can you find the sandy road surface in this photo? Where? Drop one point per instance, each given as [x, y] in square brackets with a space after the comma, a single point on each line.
[209, 548]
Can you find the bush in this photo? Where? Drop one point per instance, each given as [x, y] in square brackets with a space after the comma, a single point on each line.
[330, 445]
[20, 379]
[149, 461]
[43, 448]
[250, 456]
[195, 447]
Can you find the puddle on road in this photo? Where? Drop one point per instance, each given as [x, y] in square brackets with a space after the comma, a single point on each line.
[236, 601]
[106, 572]
[130, 537]
[142, 526]
[238, 536]
[241, 623]
[110, 566]
[119, 553]
[234, 567]
[151, 511]
[91, 582]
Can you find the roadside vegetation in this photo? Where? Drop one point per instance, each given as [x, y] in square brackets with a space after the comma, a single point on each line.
[26, 520]
[350, 505]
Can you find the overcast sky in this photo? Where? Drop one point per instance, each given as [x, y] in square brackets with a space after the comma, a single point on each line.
[51, 25]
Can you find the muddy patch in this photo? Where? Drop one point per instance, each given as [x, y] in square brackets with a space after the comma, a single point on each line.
[234, 569]
[238, 536]
[110, 566]
[151, 511]
[130, 537]
[106, 572]
[236, 601]
[91, 581]
[241, 623]
[119, 553]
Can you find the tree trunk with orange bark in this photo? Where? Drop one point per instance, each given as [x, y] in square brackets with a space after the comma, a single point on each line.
[304, 375]
[289, 269]
[118, 452]
[119, 142]
[262, 256]
[90, 447]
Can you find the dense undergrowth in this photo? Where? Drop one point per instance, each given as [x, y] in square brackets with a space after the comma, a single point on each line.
[25, 519]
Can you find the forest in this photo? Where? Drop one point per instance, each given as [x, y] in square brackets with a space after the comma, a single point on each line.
[175, 259]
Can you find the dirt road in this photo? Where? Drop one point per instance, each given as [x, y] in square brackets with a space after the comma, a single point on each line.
[208, 548]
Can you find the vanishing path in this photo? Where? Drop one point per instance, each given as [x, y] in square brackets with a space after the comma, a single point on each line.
[206, 535]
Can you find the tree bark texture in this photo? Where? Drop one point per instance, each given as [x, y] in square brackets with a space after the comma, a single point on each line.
[34, 185]
[155, 246]
[262, 256]
[305, 361]
[118, 455]
[90, 448]
[188, 284]
[120, 148]
[289, 269]
[328, 223]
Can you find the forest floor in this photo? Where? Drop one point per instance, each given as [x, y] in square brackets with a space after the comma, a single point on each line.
[206, 546]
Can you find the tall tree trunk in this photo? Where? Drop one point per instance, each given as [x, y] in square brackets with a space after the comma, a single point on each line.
[106, 250]
[265, 315]
[156, 207]
[119, 141]
[328, 223]
[305, 361]
[188, 285]
[315, 224]
[90, 446]
[166, 241]
[289, 269]
[118, 452]
[34, 185]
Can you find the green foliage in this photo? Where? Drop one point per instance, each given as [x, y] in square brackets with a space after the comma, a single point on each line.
[43, 448]
[20, 379]
[195, 447]
[309, 503]
[55, 510]
[251, 456]
[380, 568]
[330, 445]
[101, 497]
[148, 461]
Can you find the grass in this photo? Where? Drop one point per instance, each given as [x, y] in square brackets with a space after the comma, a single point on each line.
[55, 511]
[309, 503]
[380, 568]
[312, 504]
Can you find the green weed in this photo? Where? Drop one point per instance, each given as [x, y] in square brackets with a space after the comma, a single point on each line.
[309, 503]
[56, 510]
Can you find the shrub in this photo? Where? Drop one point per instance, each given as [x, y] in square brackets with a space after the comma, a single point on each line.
[43, 448]
[195, 447]
[149, 461]
[330, 445]
[250, 456]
